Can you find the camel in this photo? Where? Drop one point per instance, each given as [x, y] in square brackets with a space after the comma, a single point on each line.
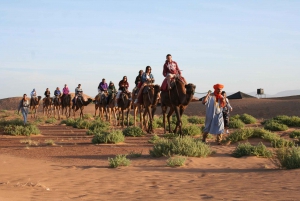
[66, 104]
[101, 103]
[112, 109]
[124, 103]
[150, 100]
[56, 106]
[79, 104]
[47, 103]
[34, 104]
[177, 99]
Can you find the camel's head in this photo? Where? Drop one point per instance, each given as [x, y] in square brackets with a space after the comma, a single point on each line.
[190, 88]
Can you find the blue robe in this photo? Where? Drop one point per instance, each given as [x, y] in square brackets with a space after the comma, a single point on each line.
[214, 123]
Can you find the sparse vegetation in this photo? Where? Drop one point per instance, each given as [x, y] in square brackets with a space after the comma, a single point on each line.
[98, 127]
[119, 160]
[21, 130]
[133, 131]
[134, 154]
[288, 158]
[154, 139]
[191, 130]
[295, 134]
[29, 142]
[50, 120]
[170, 135]
[236, 123]
[185, 146]
[114, 137]
[49, 142]
[196, 120]
[243, 134]
[247, 119]
[246, 149]
[275, 126]
[176, 161]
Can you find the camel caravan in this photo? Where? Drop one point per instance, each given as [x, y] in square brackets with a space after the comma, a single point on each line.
[114, 105]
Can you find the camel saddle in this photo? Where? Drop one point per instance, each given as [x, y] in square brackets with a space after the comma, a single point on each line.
[164, 85]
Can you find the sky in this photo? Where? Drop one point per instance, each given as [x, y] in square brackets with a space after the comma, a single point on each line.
[244, 45]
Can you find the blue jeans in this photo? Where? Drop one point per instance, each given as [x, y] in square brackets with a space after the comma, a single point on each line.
[24, 113]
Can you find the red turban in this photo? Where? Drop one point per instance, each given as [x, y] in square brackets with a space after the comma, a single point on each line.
[218, 95]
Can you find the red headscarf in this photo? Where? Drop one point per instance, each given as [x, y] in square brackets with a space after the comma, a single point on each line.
[219, 96]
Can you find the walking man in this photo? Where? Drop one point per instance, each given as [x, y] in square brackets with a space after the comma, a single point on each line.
[214, 123]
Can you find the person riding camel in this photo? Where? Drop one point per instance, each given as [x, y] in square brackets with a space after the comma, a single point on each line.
[138, 79]
[57, 94]
[147, 79]
[171, 70]
[33, 95]
[111, 90]
[123, 87]
[102, 88]
[47, 94]
[66, 90]
[78, 92]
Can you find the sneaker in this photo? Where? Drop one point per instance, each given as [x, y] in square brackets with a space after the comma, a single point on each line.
[135, 101]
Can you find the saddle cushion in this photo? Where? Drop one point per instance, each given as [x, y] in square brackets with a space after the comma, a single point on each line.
[164, 85]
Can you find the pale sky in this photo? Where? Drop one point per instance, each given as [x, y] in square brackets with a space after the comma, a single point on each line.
[244, 45]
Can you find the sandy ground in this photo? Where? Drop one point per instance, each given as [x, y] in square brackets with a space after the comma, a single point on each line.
[75, 169]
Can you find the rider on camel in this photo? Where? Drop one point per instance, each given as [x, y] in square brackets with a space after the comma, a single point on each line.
[78, 92]
[57, 93]
[33, 95]
[111, 90]
[66, 90]
[138, 79]
[171, 70]
[47, 93]
[102, 88]
[123, 87]
[147, 79]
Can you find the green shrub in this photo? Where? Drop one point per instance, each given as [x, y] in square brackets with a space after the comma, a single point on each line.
[13, 122]
[97, 126]
[191, 130]
[68, 122]
[236, 123]
[170, 135]
[114, 137]
[288, 158]
[184, 120]
[119, 160]
[159, 121]
[21, 130]
[82, 124]
[133, 131]
[235, 117]
[246, 149]
[50, 120]
[275, 126]
[238, 135]
[134, 154]
[131, 120]
[39, 120]
[50, 142]
[88, 116]
[196, 120]
[30, 142]
[247, 119]
[154, 139]
[176, 161]
[289, 121]
[185, 146]
[295, 134]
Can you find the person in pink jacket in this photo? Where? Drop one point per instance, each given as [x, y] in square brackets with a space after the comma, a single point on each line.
[171, 69]
[66, 90]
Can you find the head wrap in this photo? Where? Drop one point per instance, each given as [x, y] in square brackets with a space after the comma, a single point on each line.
[219, 96]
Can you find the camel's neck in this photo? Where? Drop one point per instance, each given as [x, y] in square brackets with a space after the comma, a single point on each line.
[180, 92]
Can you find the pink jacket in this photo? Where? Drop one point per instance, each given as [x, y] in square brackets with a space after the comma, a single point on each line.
[171, 68]
[66, 90]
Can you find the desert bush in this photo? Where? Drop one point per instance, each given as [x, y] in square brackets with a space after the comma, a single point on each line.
[114, 137]
[131, 120]
[184, 119]
[176, 161]
[238, 135]
[191, 130]
[235, 117]
[185, 146]
[159, 121]
[119, 160]
[88, 116]
[134, 154]
[246, 149]
[196, 120]
[39, 120]
[21, 130]
[275, 126]
[68, 122]
[236, 123]
[30, 142]
[82, 124]
[288, 158]
[154, 139]
[50, 120]
[133, 131]
[12, 122]
[295, 134]
[170, 135]
[97, 126]
[289, 121]
[49, 142]
[247, 119]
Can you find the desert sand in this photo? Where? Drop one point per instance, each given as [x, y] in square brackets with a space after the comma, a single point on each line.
[76, 169]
